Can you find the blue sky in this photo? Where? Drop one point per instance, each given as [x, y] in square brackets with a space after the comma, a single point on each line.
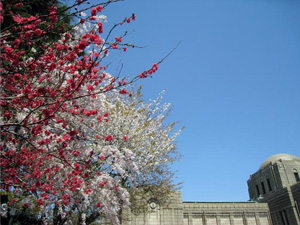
[234, 82]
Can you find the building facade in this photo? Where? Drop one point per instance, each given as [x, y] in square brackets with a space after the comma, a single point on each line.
[274, 192]
[202, 213]
[277, 183]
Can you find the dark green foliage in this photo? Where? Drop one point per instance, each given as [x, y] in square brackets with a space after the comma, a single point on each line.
[21, 216]
[26, 8]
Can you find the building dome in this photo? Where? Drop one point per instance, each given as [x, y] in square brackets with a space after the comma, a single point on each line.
[275, 158]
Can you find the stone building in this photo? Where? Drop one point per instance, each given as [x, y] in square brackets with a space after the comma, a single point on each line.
[274, 192]
[203, 213]
[277, 183]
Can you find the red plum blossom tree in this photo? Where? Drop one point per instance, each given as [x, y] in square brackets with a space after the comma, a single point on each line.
[74, 141]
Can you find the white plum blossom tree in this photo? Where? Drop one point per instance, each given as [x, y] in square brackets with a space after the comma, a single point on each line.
[129, 148]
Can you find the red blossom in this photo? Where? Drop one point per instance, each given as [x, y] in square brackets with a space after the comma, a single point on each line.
[66, 137]
[99, 8]
[53, 94]
[75, 153]
[41, 91]
[73, 133]
[52, 67]
[17, 76]
[94, 11]
[118, 39]
[90, 87]
[123, 91]
[19, 5]
[16, 43]
[40, 201]
[88, 191]
[83, 45]
[108, 138]
[68, 36]
[38, 32]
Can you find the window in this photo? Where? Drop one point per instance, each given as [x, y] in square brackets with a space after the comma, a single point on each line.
[257, 190]
[269, 184]
[263, 187]
[296, 175]
[284, 218]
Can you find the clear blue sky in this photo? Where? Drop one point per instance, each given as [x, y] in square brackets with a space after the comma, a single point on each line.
[234, 82]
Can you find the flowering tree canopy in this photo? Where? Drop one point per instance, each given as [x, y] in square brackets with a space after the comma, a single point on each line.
[74, 141]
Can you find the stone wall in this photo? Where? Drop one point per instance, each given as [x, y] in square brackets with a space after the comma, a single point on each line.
[203, 213]
[229, 213]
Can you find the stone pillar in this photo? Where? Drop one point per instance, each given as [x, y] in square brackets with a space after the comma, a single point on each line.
[204, 218]
[231, 219]
[245, 218]
[218, 219]
[257, 219]
[146, 218]
[269, 218]
[190, 219]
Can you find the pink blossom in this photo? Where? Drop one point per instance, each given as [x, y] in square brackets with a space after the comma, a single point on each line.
[17, 19]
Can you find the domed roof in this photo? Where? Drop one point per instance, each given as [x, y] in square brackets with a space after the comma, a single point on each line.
[275, 158]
